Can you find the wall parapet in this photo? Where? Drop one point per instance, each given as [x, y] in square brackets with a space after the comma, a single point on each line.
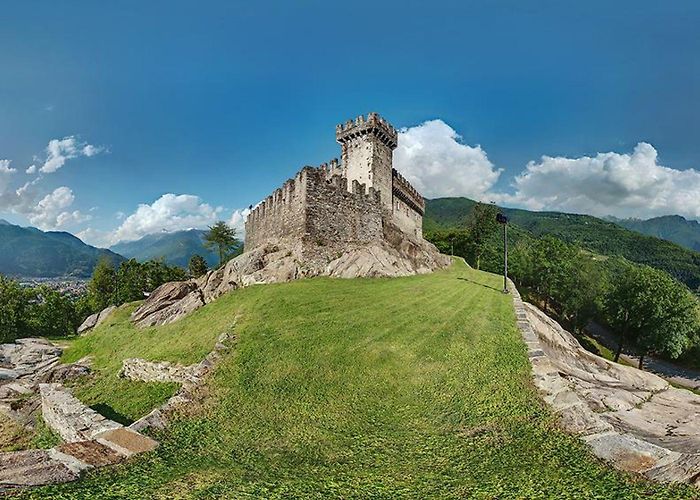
[372, 124]
[407, 193]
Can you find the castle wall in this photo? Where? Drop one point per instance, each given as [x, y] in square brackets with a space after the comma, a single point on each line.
[323, 211]
[408, 206]
[407, 219]
[280, 216]
[316, 213]
[337, 217]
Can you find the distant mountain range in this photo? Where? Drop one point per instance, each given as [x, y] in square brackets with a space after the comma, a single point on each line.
[594, 234]
[669, 227]
[30, 252]
[174, 248]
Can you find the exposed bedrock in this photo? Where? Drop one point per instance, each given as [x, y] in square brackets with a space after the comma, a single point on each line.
[23, 366]
[95, 320]
[394, 256]
[631, 418]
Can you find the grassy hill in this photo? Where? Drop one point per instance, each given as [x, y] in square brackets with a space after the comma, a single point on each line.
[27, 251]
[174, 248]
[414, 387]
[596, 235]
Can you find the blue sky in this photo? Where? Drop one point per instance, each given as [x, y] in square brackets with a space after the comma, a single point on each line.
[222, 101]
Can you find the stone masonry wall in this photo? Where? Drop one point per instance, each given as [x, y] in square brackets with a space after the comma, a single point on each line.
[408, 206]
[280, 216]
[317, 211]
[367, 145]
[336, 217]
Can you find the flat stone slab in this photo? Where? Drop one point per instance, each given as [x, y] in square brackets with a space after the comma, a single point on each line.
[126, 441]
[32, 468]
[91, 452]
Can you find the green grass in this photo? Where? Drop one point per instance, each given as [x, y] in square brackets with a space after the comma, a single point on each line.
[14, 437]
[416, 387]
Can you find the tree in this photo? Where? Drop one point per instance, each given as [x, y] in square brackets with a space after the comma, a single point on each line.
[13, 314]
[222, 237]
[102, 287]
[481, 224]
[197, 266]
[51, 313]
[653, 311]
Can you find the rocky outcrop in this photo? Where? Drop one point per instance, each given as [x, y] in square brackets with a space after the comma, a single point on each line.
[94, 320]
[631, 418]
[91, 440]
[278, 263]
[26, 364]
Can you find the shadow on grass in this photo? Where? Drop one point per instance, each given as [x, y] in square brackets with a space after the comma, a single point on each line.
[110, 413]
[500, 290]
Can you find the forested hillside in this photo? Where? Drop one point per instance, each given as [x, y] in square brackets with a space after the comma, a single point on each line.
[29, 252]
[669, 227]
[591, 233]
[174, 248]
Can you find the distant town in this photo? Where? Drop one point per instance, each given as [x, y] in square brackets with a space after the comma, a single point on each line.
[70, 286]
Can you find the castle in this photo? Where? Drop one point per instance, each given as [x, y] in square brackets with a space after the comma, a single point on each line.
[361, 200]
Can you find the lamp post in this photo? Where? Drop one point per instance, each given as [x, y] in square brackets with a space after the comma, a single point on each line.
[502, 219]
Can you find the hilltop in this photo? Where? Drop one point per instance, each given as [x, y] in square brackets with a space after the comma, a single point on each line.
[30, 252]
[425, 393]
[668, 227]
[594, 234]
[174, 248]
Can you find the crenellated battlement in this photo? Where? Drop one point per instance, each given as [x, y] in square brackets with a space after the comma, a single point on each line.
[322, 210]
[407, 193]
[371, 124]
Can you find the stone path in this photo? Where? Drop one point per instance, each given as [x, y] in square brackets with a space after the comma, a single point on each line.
[633, 419]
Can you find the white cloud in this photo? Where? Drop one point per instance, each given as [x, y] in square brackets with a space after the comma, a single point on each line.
[5, 174]
[170, 212]
[5, 167]
[31, 169]
[94, 237]
[237, 220]
[623, 185]
[59, 151]
[51, 213]
[432, 157]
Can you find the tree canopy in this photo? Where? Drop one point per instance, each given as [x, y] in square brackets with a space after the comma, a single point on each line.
[222, 237]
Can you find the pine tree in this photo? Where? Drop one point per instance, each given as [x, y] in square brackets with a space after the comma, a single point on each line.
[222, 237]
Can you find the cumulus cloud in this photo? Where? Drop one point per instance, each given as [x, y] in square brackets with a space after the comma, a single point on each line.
[170, 212]
[59, 151]
[623, 185]
[5, 167]
[434, 159]
[237, 220]
[31, 169]
[95, 237]
[51, 211]
[5, 175]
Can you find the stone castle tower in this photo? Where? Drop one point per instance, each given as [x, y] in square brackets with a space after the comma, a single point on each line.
[361, 200]
[367, 147]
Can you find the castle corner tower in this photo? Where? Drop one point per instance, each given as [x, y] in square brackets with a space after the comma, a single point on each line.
[367, 146]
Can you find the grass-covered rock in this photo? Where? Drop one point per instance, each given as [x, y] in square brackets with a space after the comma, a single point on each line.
[413, 387]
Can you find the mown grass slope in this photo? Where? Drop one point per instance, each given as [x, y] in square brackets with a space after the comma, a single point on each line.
[416, 387]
